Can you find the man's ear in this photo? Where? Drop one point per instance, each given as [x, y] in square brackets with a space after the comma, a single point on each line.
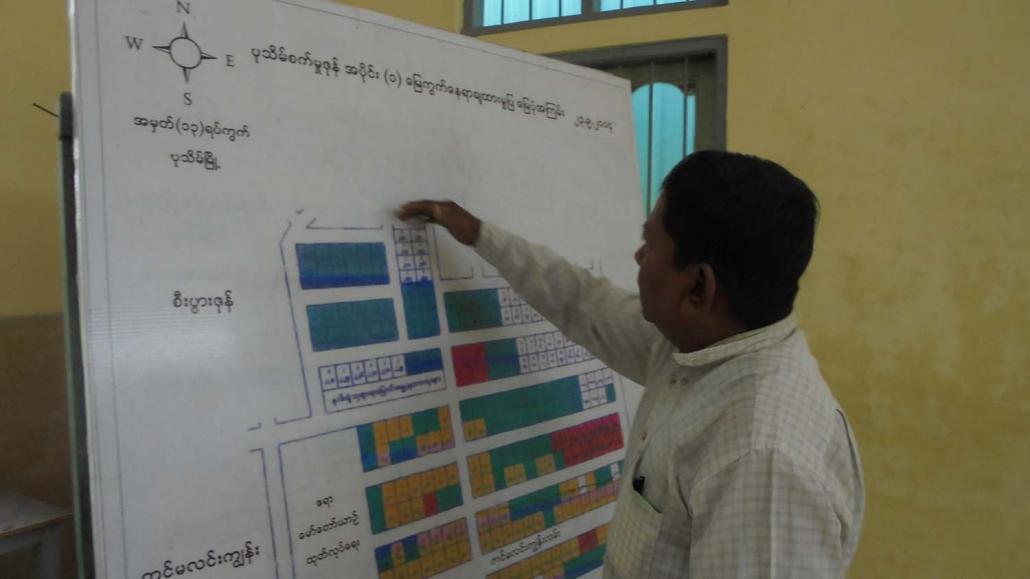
[701, 292]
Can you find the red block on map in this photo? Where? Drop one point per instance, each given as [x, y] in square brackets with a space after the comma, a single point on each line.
[430, 504]
[470, 365]
[585, 441]
[587, 541]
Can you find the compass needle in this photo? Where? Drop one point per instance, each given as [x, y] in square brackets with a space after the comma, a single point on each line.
[185, 52]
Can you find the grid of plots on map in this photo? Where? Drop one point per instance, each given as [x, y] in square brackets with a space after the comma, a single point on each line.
[490, 438]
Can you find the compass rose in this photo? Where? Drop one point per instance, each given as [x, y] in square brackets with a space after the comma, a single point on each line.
[185, 52]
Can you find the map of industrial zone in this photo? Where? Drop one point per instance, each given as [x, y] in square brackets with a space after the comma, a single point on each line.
[280, 379]
[511, 405]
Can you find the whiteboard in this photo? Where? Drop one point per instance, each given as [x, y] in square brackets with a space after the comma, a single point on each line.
[281, 380]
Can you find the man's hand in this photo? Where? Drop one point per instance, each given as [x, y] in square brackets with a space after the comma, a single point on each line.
[463, 225]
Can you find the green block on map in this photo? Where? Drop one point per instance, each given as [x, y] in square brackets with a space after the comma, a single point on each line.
[472, 310]
[448, 498]
[376, 508]
[502, 358]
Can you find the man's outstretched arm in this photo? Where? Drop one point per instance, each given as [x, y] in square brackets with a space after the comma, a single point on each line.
[604, 319]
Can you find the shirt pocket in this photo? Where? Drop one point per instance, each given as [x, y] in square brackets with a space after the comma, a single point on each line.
[633, 536]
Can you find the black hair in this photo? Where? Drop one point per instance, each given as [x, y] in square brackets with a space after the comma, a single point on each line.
[751, 220]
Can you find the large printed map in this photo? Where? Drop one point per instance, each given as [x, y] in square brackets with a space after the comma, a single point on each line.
[379, 325]
[281, 379]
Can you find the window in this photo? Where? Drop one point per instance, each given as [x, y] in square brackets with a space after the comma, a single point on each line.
[665, 116]
[608, 5]
[497, 12]
[678, 98]
[481, 14]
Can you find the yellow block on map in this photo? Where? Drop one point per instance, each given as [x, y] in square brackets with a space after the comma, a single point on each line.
[545, 465]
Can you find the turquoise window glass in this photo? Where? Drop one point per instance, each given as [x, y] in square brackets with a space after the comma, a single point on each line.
[609, 5]
[491, 12]
[515, 11]
[497, 12]
[666, 124]
[546, 9]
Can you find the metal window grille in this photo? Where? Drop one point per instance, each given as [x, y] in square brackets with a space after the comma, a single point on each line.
[665, 98]
[482, 16]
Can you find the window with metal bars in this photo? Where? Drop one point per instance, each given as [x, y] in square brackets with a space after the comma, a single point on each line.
[678, 98]
[490, 14]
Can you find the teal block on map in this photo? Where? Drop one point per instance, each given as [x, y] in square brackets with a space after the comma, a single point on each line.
[584, 563]
[374, 496]
[330, 265]
[512, 409]
[502, 358]
[349, 324]
[448, 498]
[420, 309]
[472, 310]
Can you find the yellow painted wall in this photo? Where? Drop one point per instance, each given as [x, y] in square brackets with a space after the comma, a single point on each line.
[34, 69]
[34, 457]
[910, 120]
[443, 14]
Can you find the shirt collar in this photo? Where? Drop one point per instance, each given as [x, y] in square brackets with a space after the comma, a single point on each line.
[738, 344]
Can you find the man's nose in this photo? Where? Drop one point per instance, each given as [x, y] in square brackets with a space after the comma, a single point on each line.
[638, 256]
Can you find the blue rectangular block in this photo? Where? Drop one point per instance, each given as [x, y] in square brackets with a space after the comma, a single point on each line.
[329, 265]
[420, 309]
[423, 361]
[349, 324]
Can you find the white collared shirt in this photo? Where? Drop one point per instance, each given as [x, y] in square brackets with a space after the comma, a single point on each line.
[749, 465]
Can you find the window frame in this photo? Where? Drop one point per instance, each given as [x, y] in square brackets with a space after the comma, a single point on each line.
[716, 47]
[588, 13]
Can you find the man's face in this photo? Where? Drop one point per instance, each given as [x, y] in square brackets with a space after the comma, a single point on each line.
[660, 282]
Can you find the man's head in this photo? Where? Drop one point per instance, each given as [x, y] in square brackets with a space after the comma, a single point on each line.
[724, 247]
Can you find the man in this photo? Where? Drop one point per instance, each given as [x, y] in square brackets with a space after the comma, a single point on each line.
[741, 461]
